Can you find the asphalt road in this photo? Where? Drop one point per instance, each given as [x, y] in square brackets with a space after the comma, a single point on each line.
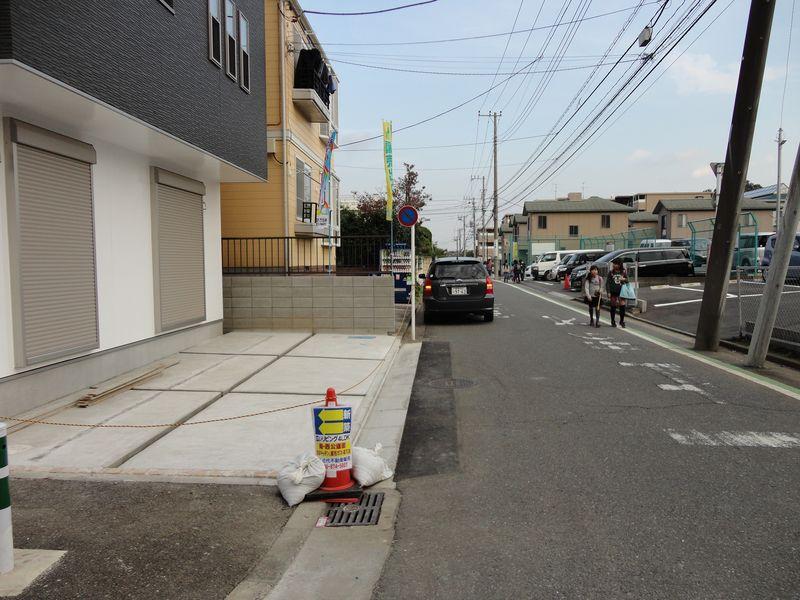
[589, 463]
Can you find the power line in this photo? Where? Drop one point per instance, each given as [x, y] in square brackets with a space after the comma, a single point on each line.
[482, 37]
[371, 12]
[527, 137]
[463, 73]
[786, 74]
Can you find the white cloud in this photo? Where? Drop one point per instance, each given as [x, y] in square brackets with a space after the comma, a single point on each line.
[700, 73]
[639, 155]
[702, 172]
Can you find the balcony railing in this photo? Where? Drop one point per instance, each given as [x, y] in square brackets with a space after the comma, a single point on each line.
[347, 255]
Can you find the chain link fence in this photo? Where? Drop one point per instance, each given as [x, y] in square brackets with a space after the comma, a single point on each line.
[746, 252]
[749, 290]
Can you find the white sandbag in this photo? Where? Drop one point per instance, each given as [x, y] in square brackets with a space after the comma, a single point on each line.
[300, 476]
[368, 466]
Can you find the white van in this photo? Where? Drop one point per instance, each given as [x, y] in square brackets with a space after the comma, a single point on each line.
[653, 243]
[547, 261]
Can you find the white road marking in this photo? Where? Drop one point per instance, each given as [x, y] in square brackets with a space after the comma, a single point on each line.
[730, 296]
[781, 388]
[691, 285]
[680, 387]
[686, 289]
[561, 322]
[749, 439]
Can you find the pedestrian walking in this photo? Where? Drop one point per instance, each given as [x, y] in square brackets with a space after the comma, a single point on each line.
[506, 274]
[592, 289]
[515, 271]
[617, 277]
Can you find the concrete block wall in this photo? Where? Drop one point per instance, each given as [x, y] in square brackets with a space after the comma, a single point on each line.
[319, 303]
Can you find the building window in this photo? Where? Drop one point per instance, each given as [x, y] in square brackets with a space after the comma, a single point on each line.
[231, 46]
[303, 191]
[542, 222]
[605, 221]
[244, 52]
[682, 220]
[748, 219]
[573, 230]
[215, 32]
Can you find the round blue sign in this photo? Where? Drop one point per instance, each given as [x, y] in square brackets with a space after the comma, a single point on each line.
[407, 215]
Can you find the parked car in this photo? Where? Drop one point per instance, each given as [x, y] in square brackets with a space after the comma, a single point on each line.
[655, 243]
[752, 248]
[457, 285]
[529, 268]
[546, 262]
[580, 257]
[652, 262]
[698, 249]
[578, 275]
[552, 274]
[793, 273]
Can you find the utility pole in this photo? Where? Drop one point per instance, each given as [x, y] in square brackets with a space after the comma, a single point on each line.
[495, 262]
[482, 231]
[474, 232]
[737, 158]
[779, 205]
[776, 275]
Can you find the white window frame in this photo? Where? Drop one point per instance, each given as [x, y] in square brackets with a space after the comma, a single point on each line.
[683, 220]
[244, 51]
[231, 33]
[305, 196]
[219, 19]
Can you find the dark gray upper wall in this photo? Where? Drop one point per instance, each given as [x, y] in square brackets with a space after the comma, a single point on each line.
[139, 57]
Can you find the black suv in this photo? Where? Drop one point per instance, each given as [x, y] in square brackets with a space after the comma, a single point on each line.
[653, 262]
[458, 285]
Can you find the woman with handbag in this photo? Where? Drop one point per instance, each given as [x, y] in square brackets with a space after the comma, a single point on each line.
[592, 288]
[617, 277]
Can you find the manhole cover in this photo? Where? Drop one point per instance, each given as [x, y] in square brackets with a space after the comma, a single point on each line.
[451, 383]
[365, 512]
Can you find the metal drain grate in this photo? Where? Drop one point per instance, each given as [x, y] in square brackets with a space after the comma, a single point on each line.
[366, 512]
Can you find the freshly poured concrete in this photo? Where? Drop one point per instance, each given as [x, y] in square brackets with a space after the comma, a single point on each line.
[188, 366]
[251, 342]
[300, 375]
[88, 447]
[335, 345]
[261, 443]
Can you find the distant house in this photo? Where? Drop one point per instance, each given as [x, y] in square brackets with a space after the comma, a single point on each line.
[647, 201]
[674, 216]
[767, 193]
[576, 218]
[642, 220]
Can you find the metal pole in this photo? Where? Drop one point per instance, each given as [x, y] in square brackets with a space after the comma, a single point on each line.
[483, 215]
[739, 299]
[496, 220]
[779, 205]
[776, 274]
[474, 232]
[737, 158]
[413, 284]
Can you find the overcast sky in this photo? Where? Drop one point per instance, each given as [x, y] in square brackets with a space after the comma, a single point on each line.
[664, 142]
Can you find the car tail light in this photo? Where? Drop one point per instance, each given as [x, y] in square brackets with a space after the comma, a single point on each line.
[489, 287]
[427, 287]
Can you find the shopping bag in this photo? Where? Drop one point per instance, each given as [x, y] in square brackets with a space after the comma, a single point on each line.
[628, 292]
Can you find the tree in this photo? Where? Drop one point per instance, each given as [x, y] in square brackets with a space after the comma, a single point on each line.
[370, 216]
[749, 186]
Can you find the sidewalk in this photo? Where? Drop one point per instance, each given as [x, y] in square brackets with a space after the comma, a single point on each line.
[277, 376]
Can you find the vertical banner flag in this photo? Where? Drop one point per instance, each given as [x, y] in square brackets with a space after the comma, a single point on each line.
[324, 205]
[387, 164]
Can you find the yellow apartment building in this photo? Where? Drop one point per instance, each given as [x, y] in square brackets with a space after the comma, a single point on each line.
[302, 112]
[674, 216]
[647, 201]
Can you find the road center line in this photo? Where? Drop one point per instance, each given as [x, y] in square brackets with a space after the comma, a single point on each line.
[786, 390]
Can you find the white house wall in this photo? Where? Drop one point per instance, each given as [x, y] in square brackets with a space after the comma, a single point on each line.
[121, 182]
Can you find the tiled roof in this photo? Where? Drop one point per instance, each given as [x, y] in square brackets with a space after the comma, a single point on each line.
[707, 204]
[593, 204]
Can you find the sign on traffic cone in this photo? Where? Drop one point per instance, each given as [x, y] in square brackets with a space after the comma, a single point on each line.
[332, 429]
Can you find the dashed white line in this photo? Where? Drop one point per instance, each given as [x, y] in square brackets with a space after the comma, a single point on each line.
[748, 439]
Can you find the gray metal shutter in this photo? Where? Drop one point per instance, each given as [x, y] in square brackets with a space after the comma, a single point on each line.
[181, 263]
[56, 255]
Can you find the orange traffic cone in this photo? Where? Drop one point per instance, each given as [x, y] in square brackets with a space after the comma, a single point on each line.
[566, 282]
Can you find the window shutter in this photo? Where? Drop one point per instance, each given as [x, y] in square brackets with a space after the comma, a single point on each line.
[180, 260]
[58, 297]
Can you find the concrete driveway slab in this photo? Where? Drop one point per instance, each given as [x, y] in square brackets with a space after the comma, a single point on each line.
[336, 345]
[251, 342]
[300, 375]
[227, 374]
[260, 443]
[86, 447]
[189, 366]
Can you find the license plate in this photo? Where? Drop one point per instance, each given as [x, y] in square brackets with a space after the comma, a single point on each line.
[458, 291]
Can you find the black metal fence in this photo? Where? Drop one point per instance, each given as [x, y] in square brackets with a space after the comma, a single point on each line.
[342, 255]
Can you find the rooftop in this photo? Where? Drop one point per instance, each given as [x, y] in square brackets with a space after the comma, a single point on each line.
[707, 204]
[593, 204]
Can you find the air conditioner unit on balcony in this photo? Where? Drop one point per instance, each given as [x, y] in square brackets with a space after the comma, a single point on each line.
[325, 131]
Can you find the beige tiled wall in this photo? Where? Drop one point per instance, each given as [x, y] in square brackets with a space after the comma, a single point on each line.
[313, 303]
